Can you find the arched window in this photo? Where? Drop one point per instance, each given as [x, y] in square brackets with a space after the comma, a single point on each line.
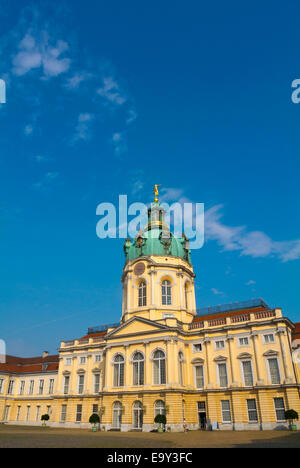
[119, 371]
[186, 289]
[166, 295]
[180, 362]
[159, 408]
[142, 294]
[117, 415]
[138, 369]
[159, 365]
[137, 415]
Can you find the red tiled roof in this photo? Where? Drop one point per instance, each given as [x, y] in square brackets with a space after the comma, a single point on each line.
[200, 318]
[18, 365]
[93, 335]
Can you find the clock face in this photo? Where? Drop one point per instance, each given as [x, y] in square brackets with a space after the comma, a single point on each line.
[140, 240]
[139, 269]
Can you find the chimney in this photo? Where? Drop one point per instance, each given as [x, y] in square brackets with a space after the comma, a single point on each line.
[45, 354]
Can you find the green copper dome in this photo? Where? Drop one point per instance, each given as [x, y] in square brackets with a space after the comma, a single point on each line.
[156, 239]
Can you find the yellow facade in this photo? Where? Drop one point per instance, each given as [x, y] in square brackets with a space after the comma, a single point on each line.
[230, 370]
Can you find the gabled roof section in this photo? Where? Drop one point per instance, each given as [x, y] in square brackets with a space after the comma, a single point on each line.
[135, 325]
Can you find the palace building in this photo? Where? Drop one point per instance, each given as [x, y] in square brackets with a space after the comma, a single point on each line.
[225, 367]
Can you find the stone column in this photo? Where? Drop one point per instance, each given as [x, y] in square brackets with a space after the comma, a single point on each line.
[287, 377]
[254, 337]
[169, 368]
[147, 365]
[127, 373]
[206, 342]
[233, 381]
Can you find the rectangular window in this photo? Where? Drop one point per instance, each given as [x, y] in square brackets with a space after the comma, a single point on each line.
[1, 385]
[48, 410]
[82, 360]
[244, 341]
[223, 375]
[11, 385]
[199, 376]
[226, 414]
[6, 413]
[22, 386]
[279, 409]
[41, 387]
[81, 384]
[78, 413]
[63, 414]
[197, 347]
[98, 358]
[28, 413]
[95, 409]
[247, 371]
[274, 371]
[66, 384]
[269, 338]
[51, 386]
[220, 344]
[38, 410]
[68, 361]
[252, 411]
[18, 413]
[31, 387]
[96, 383]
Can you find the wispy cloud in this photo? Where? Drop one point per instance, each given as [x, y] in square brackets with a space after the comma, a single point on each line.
[46, 181]
[119, 143]
[216, 291]
[250, 283]
[74, 81]
[111, 91]
[254, 244]
[39, 52]
[82, 129]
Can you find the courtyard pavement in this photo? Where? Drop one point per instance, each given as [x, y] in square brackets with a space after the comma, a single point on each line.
[39, 437]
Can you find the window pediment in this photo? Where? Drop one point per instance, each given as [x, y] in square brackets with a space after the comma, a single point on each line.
[198, 361]
[220, 358]
[244, 356]
[270, 353]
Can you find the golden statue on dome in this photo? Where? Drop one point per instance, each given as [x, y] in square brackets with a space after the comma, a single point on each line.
[155, 191]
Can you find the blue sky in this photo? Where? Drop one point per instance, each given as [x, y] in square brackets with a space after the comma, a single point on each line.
[109, 98]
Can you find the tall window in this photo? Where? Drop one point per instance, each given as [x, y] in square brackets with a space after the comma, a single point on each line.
[199, 376]
[22, 386]
[96, 383]
[18, 413]
[81, 384]
[159, 408]
[279, 409]
[138, 369]
[137, 415]
[252, 411]
[142, 294]
[159, 364]
[78, 413]
[119, 371]
[1, 385]
[38, 410]
[274, 371]
[31, 387]
[226, 414]
[63, 414]
[41, 387]
[223, 380]
[28, 413]
[51, 386]
[180, 363]
[247, 371]
[186, 295]
[66, 384]
[117, 415]
[166, 295]
[11, 385]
